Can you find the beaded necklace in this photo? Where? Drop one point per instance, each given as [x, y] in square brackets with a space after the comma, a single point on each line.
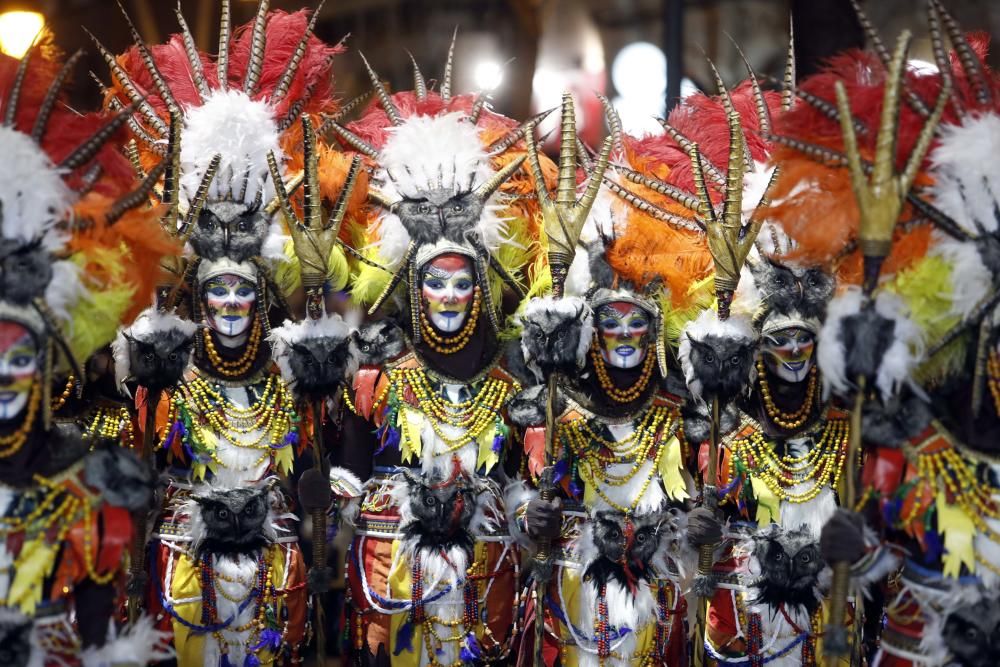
[964, 488]
[13, 443]
[236, 367]
[471, 417]
[608, 386]
[646, 442]
[823, 464]
[793, 420]
[451, 344]
[993, 371]
[202, 407]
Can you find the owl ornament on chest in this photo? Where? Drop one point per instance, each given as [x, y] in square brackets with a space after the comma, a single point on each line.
[441, 515]
[621, 557]
[787, 580]
[231, 531]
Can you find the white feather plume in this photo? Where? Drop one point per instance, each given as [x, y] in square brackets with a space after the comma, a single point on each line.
[239, 129]
[33, 195]
[971, 281]
[431, 152]
[966, 168]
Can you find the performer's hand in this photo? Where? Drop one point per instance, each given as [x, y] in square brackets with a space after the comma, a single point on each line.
[842, 539]
[543, 520]
[703, 527]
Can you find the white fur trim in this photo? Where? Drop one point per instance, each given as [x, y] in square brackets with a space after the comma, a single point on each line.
[570, 305]
[290, 333]
[971, 281]
[708, 323]
[138, 644]
[32, 192]
[150, 324]
[273, 248]
[239, 129]
[578, 278]
[897, 362]
[966, 168]
[425, 153]
[65, 290]
[345, 484]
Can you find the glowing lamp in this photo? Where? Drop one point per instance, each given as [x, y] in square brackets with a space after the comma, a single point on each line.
[18, 30]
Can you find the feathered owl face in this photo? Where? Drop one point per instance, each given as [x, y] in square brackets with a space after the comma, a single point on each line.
[233, 521]
[230, 229]
[972, 635]
[788, 289]
[625, 546]
[555, 335]
[158, 362]
[440, 510]
[722, 365]
[379, 341]
[320, 365]
[440, 213]
[25, 270]
[790, 567]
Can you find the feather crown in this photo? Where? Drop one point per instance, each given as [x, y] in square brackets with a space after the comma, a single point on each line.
[444, 166]
[218, 118]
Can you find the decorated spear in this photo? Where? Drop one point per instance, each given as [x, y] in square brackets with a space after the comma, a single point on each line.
[880, 198]
[563, 219]
[314, 240]
[729, 242]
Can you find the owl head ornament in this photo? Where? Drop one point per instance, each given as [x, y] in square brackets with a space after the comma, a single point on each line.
[232, 522]
[788, 567]
[629, 549]
[441, 511]
[449, 219]
[218, 123]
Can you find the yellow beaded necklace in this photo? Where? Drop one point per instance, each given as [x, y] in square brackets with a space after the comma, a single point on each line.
[823, 464]
[269, 416]
[608, 386]
[236, 367]
[472, 417]
[646, 442]
[451, 344]
[993, 372]
[13, 443]
[787, 421]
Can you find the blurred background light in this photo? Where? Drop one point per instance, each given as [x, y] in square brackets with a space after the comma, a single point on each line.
[640, 70]
[18, 30]
[488, 75]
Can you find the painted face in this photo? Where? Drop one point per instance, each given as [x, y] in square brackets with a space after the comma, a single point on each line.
[229, 302]
[447, 287]
[788, 353]
[624, 330]
[18, 368]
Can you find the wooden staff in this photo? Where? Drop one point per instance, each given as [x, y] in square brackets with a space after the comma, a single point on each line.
[562, 218]
[880, 201]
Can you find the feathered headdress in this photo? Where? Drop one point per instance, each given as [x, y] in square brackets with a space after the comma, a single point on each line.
[217, 119]
[72, 234]
[429, 149]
